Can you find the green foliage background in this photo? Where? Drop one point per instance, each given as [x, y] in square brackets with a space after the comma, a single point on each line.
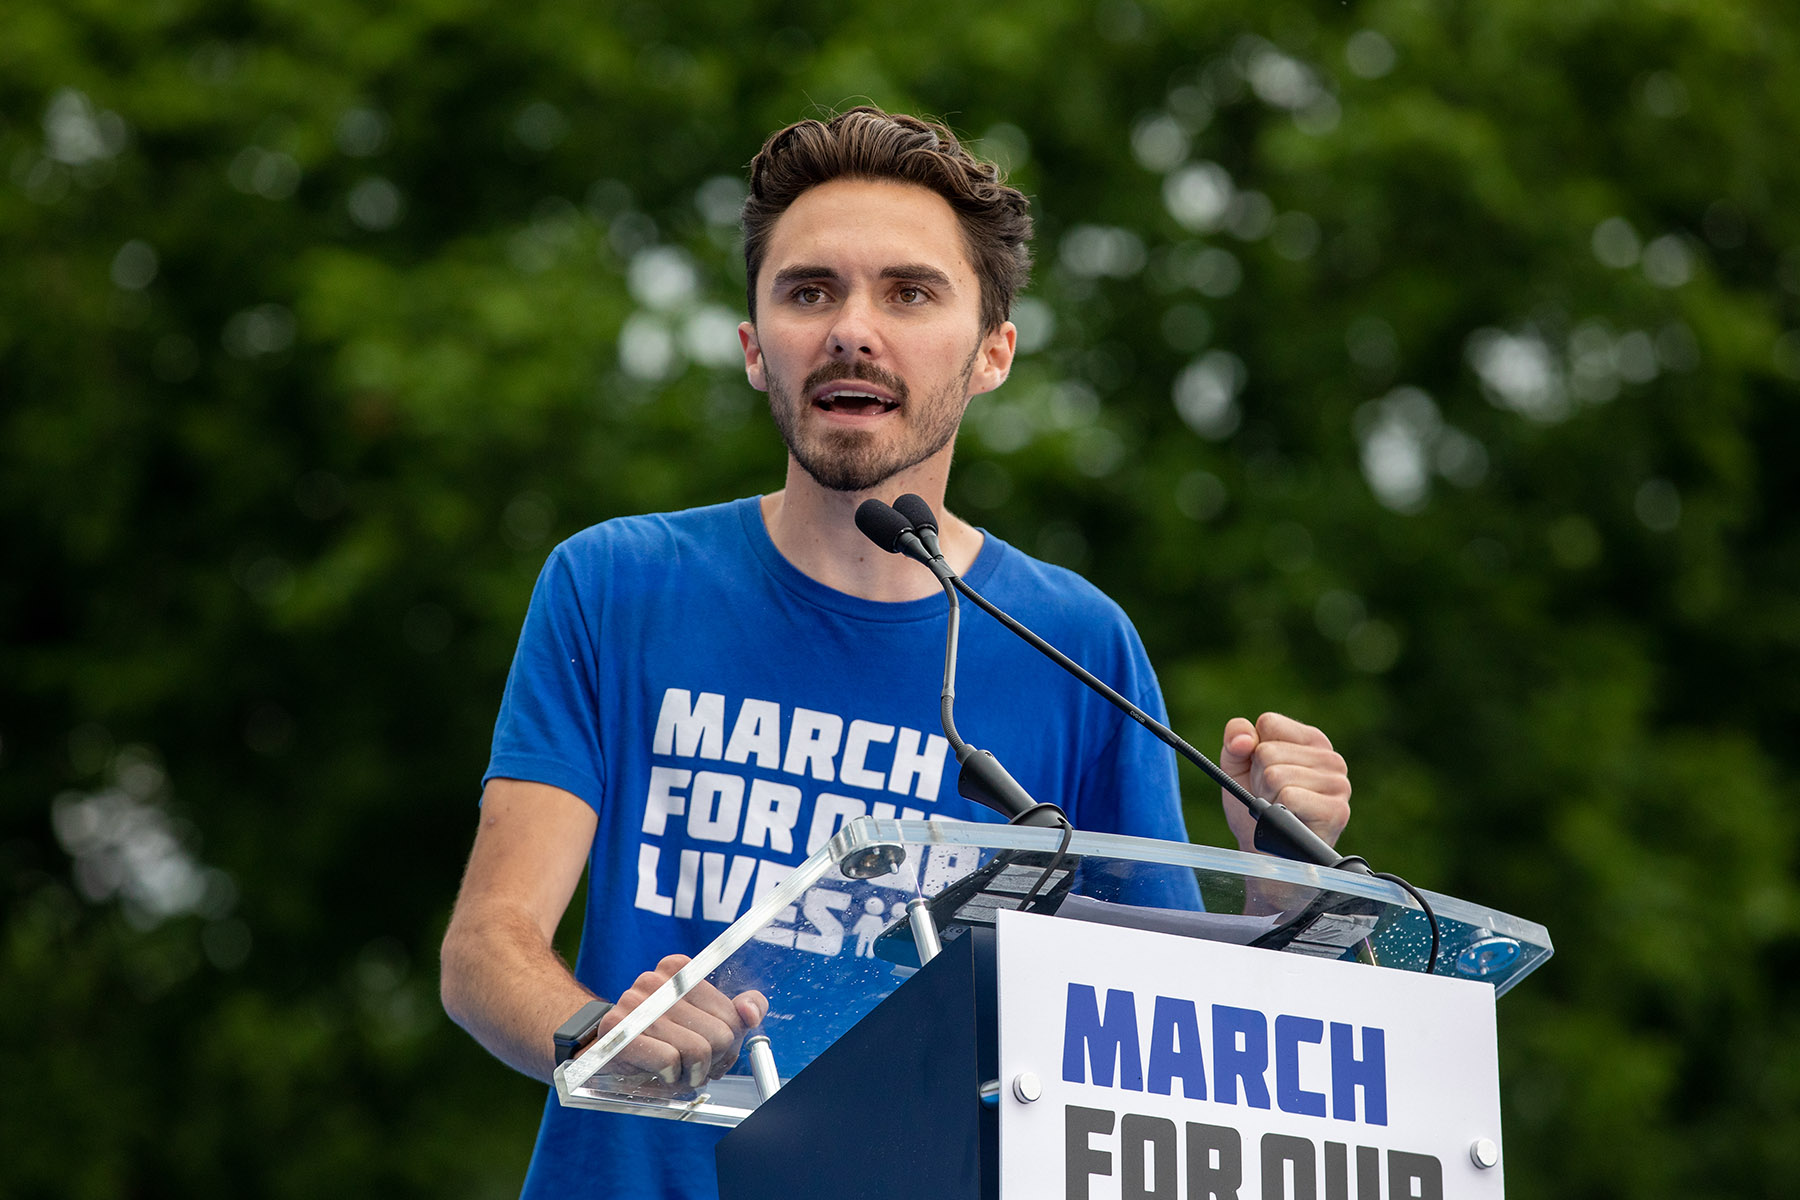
[1466, 432]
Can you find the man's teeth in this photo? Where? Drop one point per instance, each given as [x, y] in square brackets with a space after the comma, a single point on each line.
[859, 401]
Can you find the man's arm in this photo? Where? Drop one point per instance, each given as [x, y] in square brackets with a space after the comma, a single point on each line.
[502, 980]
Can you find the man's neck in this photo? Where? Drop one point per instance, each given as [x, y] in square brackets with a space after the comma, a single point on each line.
[814, 528]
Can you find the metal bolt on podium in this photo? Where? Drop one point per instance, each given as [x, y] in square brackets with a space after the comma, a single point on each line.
[762, 1066]
[924, 930]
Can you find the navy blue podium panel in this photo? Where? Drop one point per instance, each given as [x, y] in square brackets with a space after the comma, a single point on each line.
[892, 1110]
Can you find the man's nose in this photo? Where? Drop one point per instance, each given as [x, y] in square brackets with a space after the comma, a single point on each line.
[855, 334]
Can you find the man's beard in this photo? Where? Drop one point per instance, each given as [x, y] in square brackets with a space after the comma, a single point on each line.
[856, 460]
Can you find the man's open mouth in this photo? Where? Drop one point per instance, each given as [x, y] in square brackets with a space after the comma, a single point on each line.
[859, 404]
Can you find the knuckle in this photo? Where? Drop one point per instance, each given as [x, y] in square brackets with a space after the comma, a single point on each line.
[653, 1055]
[688, 1045]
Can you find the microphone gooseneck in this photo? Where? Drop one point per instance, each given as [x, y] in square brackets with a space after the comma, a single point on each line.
[1278, 830]
[982, 778]
[911, 528]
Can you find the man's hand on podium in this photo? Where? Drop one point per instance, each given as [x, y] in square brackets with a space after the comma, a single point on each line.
[503, 981]
[1289, 763]
[697, 1040]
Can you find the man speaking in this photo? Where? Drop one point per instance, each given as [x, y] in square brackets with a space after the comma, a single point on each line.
[699, 699]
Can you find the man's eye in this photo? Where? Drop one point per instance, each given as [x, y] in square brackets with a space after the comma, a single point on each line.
[809, 293]
[911, 295]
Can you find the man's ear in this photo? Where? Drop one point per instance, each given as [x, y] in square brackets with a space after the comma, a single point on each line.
[754, 370]
[994, 358]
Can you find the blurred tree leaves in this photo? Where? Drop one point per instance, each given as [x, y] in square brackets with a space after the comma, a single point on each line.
[1425, 371]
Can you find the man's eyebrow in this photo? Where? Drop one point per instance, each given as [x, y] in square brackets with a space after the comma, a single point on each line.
[788, 276]
[919, 273]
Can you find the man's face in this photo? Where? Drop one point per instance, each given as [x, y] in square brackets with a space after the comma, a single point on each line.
[868, 332]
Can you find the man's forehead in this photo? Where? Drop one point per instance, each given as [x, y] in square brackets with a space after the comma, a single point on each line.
[869, 226]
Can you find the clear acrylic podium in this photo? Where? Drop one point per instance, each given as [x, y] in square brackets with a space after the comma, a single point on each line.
[850, 925]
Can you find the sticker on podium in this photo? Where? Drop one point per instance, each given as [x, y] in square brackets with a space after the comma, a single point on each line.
[1140, 1064]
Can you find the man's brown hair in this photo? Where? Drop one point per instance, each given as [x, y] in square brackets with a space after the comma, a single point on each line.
[868, 143]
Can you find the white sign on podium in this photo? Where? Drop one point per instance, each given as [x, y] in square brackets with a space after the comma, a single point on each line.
[1136, 1064]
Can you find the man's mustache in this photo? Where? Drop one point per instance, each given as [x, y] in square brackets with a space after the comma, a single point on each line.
[832, 372]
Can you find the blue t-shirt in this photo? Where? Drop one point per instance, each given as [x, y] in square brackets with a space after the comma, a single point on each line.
[704, 695]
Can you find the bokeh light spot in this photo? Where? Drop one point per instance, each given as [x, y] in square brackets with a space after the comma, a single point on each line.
[1518, 373]
[1668, 263]
[1159, 142]
[1199, 195]
[1615, 243]
[134, 266]
[362, 132]
[1200, 495]
[1036, 323]
[1206, 393]
[1369, 54]
[375, 204]
[663, 278]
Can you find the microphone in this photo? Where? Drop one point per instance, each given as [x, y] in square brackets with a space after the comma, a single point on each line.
[884, 526]
[982, 778]
[924, 521]
[1278, 830]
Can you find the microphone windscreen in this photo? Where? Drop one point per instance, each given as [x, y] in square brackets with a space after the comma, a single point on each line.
[882, 525]
[915, 510]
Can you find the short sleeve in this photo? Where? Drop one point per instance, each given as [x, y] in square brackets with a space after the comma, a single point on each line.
[548, 728]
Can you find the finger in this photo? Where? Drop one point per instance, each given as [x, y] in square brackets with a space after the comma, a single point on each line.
[668, 1050]
[1311, 805]
[696, 1039]
[1274, 727]
[722, 1039]
[646, 1057]
[1236, 745]
[716, 1004]
[702, 995]
[681, 1045]
[1324, 815]
[1275, 765]
[646, 984]
[1282, 783]
[670, 964]
[752, 1008]
[1270, 751]
[720, 1019]
[704, 1028]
